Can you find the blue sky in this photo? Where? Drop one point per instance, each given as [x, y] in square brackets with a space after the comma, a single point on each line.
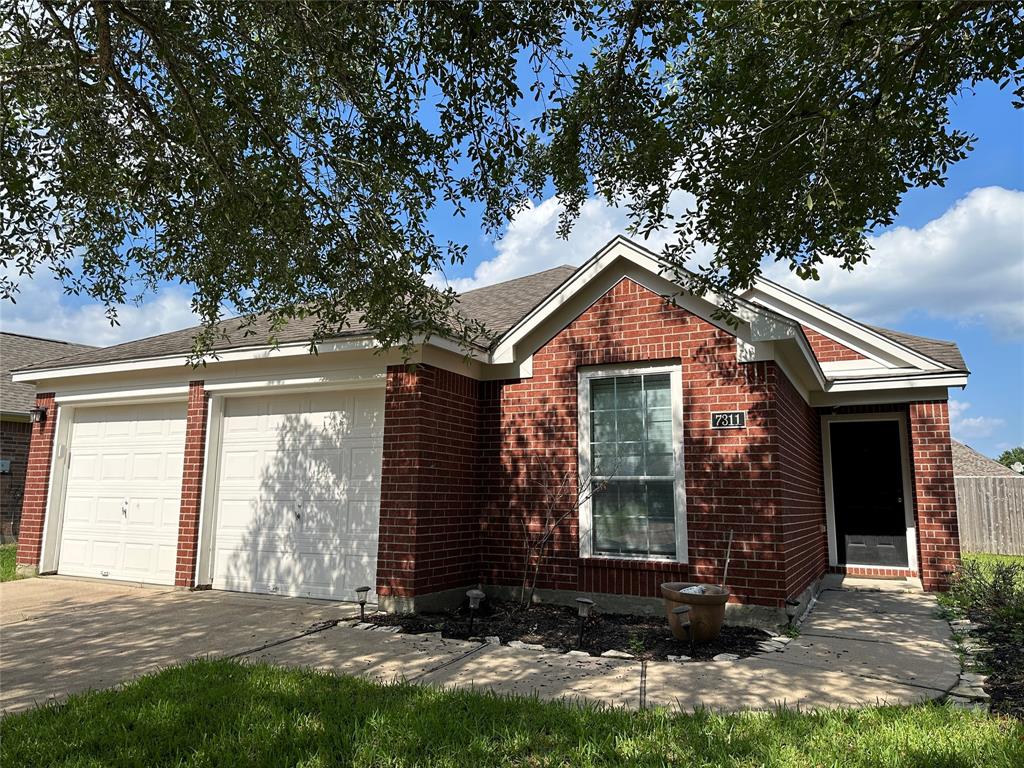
[951, 267]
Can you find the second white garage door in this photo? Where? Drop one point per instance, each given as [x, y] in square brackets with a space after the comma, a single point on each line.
[298, 493]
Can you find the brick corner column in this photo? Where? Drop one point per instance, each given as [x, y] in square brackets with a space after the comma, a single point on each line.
[396, 557]
[191, 485]
[938, 533]
[37, 483]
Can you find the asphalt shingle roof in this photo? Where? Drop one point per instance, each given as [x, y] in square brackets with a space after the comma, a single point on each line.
[17, 351]
[945, 352]
[499, 307]
[967, 462]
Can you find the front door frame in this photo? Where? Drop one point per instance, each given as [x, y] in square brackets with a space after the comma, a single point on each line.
[908, 499]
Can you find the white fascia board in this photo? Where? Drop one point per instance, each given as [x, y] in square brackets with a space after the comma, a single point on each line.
[909, 381]
[180, 361]
[853, 334]
[331, 380]
[134, 394]
[359, 343]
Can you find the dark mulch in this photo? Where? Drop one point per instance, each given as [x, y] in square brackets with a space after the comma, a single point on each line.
[1006, 685]
[646, 637]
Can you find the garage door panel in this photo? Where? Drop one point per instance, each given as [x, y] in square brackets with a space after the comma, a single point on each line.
[122, 498]
[311, 573]
[157, 513]
[298, 493]
[105, 555]
[83, 466]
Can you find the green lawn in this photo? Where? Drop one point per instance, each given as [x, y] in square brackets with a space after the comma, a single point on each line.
[7, 555]
[217, 713]
[986, 560]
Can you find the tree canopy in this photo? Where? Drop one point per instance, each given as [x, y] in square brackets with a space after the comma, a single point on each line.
[1012, 456]
[287, 157]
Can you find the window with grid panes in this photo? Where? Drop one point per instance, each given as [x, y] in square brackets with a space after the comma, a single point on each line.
[631, 455]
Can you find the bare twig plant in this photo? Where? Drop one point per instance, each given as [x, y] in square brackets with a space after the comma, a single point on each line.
[561, 501]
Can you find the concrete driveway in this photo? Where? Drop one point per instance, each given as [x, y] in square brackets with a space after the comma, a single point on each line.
[65, 635]
[61, 635]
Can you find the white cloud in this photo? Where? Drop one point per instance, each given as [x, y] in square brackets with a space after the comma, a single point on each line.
[967, 265]
[966, 427]
[531, 243]
[42, 309]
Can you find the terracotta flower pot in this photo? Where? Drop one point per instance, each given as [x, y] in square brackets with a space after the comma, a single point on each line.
[707, 611]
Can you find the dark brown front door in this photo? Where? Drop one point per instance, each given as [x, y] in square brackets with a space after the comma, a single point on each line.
[867, 490]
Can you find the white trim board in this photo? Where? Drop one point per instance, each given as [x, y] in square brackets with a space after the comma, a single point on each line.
[832, 324]
[908, 488]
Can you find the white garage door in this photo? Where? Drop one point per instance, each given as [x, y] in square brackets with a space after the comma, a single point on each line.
[123, 493]
[298, 495]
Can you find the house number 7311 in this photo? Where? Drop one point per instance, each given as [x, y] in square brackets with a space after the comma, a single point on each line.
[729, 420]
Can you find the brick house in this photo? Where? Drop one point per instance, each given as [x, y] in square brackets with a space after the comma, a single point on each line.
[16, 400]
[820, 442]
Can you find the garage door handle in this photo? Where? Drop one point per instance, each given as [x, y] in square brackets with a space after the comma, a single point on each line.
[124, 508]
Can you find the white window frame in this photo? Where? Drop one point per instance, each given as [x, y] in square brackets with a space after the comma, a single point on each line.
[587, 375]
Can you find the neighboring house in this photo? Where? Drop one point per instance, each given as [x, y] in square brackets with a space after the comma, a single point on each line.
[990, 503]
[821, 442]
[16, 399]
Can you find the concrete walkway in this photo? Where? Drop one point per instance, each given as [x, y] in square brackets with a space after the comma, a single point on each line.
[856, 648]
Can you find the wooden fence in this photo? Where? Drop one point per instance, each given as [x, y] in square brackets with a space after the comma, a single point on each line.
[990, 511]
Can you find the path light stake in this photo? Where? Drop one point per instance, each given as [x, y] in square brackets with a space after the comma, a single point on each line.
[792, 606]
[361, 593]
[683, 612]
[584, 605]
[475, 596]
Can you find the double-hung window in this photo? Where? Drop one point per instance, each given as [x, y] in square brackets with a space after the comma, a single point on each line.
[630, 425]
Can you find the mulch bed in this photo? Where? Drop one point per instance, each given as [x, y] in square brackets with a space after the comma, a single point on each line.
[1005, 663]
[557, 627]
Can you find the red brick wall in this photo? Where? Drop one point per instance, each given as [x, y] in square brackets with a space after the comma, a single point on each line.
[429, 518]
[191, 485]
[934, 492]
[827, 349]
[37, 480]
[732, 477]
[804, 532]
[15, 438]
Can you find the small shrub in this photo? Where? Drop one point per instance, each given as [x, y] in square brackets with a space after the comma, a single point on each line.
[991, 594]
[990, 591]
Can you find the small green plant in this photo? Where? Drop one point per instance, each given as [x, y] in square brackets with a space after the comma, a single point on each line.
[636, 644]
[8, 567]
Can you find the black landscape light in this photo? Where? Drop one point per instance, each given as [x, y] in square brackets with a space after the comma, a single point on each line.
[584, 607]
[361, 593]
[683, 612]
[792, 607]
[475, 596]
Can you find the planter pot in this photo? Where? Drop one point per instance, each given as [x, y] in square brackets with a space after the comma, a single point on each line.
[707, 611]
